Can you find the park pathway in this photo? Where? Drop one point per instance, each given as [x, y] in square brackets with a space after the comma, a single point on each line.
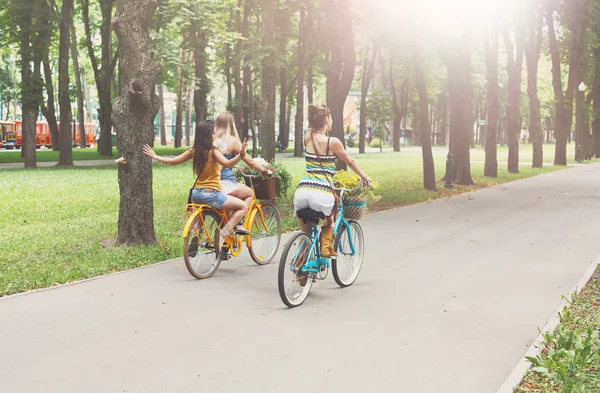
[450, 297]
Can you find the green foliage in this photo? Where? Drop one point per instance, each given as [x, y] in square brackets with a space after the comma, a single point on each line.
[376, 141]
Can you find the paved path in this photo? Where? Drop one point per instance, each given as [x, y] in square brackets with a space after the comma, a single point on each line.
[451, 295]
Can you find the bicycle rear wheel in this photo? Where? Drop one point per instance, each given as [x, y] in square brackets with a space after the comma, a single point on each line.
[347, 265]
[201, 258]
[294, 286]
[266, 235]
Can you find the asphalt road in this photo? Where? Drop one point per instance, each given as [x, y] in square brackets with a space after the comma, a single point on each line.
[451, 294]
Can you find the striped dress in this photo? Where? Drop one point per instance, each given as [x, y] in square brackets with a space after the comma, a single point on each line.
[314, 190]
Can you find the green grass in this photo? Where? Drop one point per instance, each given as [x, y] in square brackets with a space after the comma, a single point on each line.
[56, 222]
[82, 154]
[568, 362]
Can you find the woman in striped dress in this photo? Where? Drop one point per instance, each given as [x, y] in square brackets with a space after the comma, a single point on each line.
[315, 189]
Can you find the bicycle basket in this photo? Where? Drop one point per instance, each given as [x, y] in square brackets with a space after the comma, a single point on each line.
[265, 188]
[355, 208]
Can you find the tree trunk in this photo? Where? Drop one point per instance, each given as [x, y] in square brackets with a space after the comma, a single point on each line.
[493, 101]
[564, 100]
[104, 74]
[533, 52]
[188, 114]
[424, 125]
[247, 75]
[399, 110]
[49, 110]
[459, 75]
[339, 69]
[79, 87]
[514, 70]
[367, 75]
[299, 123]
[161, 101]
[283, 20]
[596, 106]
[29, 88]
[65, 156]
[251, 118]
[179, 108]
[269, 78]
[203, 89]
[237, 76]
[134, 113]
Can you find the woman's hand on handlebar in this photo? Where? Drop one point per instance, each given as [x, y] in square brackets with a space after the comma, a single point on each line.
[367, 181]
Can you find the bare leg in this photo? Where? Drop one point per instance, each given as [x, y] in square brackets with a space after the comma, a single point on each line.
[237, 207]
[305, 227]
[244, 193]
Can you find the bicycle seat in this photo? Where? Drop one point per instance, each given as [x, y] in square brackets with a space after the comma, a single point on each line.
[309, 215]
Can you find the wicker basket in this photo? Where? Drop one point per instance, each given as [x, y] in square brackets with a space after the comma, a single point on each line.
[265, 188]
[355, 208]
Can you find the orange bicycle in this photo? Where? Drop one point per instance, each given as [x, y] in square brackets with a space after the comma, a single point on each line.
[202, 231]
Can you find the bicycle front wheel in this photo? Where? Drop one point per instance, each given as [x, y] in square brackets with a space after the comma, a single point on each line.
[294, 285]
[266, 234]
[347, 265]
[201, 258]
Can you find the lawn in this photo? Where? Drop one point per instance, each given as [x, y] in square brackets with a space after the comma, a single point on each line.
[56, 222]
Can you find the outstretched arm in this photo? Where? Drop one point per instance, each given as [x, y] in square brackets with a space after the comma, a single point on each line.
[180, 159]
[338, 149]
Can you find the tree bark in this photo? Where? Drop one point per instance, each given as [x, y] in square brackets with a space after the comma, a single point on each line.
[65, 156]
[458, 63]
[564, 99]
[163, 131]
[299, 123]
[104, 74]
[309, 42]
[269, 78]
[514, 70]
[424, 124]
[247, 75]
[367, 75]
[134, 112]
[491, 43]
[79, 87]
[201, 92]
[237, 75]
[400, 110]
[188, 114]
[533, 52]
[339, 69]
[179, 108]
[283, 20]
[49, 110]
[596, 106]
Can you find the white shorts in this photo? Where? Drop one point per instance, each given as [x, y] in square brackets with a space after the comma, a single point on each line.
[315, 200]
[228, 186]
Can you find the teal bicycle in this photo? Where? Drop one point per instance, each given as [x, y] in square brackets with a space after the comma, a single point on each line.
[301, 263]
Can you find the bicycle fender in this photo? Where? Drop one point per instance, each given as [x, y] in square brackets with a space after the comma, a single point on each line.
[189, 221]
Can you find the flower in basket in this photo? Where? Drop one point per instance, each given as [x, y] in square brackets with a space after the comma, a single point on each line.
[281, 174]
[357, 191]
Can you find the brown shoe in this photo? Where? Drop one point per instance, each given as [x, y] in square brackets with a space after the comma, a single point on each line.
[326, 238]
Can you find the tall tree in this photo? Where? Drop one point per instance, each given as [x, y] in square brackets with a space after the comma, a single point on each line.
[514, 53]
[339, 69]
[65, 156]
[134, 112]
[491, 44]
[299, 123]
[424, 124]
[179, 106]
[399, 107]
[283, 20]
[103, 72]
[163, 131]
[203, 85]
[367, 75]
[577, 19]
[269, 81]
[79, 87]
[533, 50]
[458, 63]
[596, 104]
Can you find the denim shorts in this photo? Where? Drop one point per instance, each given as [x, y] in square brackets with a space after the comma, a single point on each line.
[208, 196]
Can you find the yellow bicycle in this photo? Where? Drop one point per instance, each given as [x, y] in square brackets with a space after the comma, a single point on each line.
[202, 231]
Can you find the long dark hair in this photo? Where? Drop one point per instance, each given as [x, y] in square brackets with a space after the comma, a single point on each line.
[203, 144]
